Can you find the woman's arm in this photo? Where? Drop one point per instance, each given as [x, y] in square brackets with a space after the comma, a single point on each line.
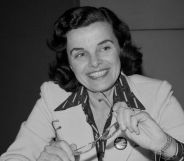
[141, 128]
[172, 121]
[35, 133]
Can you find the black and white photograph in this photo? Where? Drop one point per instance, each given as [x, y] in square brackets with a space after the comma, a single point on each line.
[92, 80]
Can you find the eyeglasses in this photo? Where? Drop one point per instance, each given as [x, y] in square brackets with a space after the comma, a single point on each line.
[109, 132]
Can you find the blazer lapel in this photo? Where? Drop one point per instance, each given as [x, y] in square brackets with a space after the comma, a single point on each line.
[74, 128]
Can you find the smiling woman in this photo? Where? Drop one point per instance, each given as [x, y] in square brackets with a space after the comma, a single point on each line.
[94, 56]
[96, 106]
[115, 35]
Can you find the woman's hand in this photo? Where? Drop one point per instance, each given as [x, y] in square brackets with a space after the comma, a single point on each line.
[140, 127]
[58, 151]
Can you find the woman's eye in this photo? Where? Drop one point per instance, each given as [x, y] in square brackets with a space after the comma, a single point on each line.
[105, 48]
[80, 54]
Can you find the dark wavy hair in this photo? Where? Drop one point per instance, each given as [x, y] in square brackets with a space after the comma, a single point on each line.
[60, 72]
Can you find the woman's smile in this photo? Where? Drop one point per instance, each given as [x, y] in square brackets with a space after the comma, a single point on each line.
[98, 74]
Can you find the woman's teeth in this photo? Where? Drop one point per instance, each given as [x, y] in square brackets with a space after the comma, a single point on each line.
[98, 74]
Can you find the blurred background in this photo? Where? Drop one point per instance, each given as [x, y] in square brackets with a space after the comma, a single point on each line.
[157, 27]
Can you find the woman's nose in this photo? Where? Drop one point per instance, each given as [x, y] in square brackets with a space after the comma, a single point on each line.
[94, 60]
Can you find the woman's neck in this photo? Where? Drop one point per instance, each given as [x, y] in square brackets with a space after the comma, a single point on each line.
[97, 98]
[101, 104]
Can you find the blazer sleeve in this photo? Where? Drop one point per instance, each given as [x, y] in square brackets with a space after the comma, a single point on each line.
[34, 133]
[171, 119]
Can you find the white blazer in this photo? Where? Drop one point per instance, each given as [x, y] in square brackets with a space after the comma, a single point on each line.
[37, 130]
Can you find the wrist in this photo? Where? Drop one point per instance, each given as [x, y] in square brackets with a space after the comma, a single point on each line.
[169, 149]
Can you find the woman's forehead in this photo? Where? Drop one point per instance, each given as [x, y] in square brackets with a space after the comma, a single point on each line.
[95, 32]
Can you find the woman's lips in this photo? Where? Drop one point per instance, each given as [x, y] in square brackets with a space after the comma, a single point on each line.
[98, 74]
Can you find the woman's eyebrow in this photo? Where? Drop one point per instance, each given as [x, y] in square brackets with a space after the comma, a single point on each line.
[100, 43]
[105, 41]
[75, 49]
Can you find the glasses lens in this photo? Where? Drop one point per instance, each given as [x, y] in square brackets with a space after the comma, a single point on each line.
[106, 135]
[84, 149]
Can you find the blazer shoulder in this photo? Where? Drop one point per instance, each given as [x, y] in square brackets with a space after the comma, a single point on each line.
[148, 85]
[140, 79]
[144, 80]
[53, 94]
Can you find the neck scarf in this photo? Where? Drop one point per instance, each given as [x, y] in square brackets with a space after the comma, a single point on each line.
[122, 93]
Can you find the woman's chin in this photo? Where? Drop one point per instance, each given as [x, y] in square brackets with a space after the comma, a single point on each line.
[101, 88]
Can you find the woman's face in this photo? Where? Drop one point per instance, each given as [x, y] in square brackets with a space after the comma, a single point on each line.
[93, 54]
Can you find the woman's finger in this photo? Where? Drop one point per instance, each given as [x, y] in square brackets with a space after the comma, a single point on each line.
[119, 105]
[142, 116]
[67, 148]
[134, 125]
[120, 119]
[45, 156]
[118, 113]
[127, 114]
[61, 154]
[124, 115]
[119, 109]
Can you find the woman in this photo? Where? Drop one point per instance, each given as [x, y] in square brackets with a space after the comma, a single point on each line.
[95, 107]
